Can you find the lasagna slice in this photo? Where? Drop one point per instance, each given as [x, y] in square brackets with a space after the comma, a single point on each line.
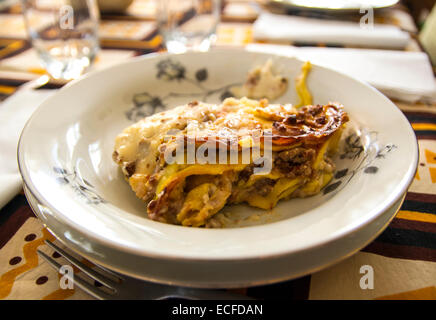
[187, 163]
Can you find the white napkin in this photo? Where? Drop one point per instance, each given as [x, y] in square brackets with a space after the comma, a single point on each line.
[309, 30]
[14, 113]
[406, 76]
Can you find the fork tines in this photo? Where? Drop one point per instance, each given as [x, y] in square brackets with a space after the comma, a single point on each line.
[81, 283]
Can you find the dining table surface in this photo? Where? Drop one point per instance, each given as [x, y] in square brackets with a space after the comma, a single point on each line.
[402, 257]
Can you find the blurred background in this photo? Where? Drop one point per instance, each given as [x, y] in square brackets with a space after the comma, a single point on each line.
[419, 9]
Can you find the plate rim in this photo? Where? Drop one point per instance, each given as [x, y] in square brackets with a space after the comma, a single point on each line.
[284, 251]
[246, 283]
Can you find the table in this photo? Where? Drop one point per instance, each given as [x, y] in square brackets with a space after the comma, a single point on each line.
[402, 258]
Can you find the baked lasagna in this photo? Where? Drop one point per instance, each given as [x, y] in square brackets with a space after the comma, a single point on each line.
[187, 163]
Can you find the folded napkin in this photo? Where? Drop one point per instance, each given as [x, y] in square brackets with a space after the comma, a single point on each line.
[309, 30]
[406, 76]
[14, 113]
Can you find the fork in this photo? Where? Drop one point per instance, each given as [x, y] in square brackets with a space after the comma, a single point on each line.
[123, 287]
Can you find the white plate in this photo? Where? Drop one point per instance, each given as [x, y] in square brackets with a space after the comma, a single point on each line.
[238, 274]
[65, 160]
[337, 5]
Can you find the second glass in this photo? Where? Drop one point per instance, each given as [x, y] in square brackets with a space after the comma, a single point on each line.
[64, 34]
[188, 24]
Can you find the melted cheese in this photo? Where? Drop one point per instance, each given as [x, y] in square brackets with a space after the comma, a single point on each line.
[321, 154]
[262, 83]
[301, 87]
[172, 172]
[201, 203]
[315, 185]
[282, 187]
[274, 175]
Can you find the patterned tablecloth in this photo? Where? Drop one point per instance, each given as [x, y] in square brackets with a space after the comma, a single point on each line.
[403, 257]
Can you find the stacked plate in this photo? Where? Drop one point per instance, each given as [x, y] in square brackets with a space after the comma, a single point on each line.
[335, 6]
[65, 158]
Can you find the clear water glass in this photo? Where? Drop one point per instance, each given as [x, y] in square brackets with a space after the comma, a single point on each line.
[64, 34]
[188, 24]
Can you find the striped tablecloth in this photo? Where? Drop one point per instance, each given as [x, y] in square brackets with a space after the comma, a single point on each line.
[403, 257]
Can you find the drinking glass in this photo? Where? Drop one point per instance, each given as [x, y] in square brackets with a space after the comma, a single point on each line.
[64, 34]
[188, 24]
